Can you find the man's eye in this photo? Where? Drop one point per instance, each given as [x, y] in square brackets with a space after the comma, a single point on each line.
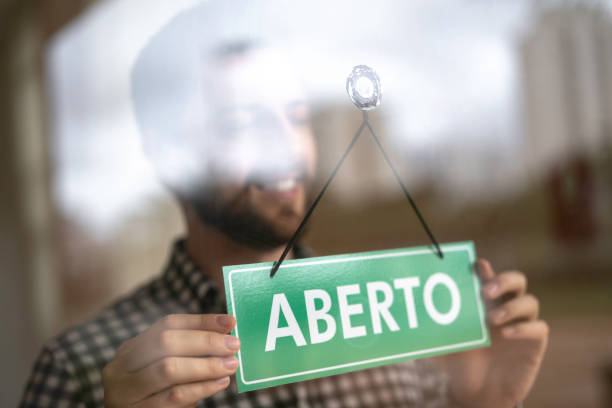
[234, 123]
[228, 127]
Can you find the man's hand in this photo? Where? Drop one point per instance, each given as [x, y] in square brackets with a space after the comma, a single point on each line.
[501, 375]
[178, 361]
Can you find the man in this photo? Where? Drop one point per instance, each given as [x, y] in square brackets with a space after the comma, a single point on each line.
[240, 165]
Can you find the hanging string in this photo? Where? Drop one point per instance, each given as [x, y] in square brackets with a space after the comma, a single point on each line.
[364, 123]
[315, 202]
[404, 189]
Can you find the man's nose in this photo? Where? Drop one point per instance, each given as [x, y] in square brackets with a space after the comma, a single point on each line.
[281, 146]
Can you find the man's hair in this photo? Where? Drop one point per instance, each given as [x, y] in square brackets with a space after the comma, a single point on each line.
[164, 81]
[168, 83]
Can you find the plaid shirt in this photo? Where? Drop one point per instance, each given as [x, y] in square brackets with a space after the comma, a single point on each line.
[68, 371]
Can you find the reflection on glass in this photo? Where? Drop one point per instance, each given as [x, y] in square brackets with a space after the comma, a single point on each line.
[501, 114]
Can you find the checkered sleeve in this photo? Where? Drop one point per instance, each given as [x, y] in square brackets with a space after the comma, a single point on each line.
[51, 384]
[435, 385]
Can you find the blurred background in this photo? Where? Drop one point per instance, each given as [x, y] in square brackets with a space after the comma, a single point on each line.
[497, 114]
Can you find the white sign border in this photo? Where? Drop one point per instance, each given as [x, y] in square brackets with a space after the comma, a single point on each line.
[357, 257]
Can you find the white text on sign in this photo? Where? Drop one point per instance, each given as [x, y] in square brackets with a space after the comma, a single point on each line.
[379, 309]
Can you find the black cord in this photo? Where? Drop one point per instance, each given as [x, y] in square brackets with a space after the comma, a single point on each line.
[297, 232]
[404, 189]
[315, 202]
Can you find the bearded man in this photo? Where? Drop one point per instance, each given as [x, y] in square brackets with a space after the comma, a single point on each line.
[228, 133]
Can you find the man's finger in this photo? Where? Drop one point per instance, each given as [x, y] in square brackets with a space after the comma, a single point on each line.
[209, 322]
[507, 282]
[534, 330]
[220, 323]
[170, 371]
[184, 395]
[180, 343]
[485, 270]
[522, 308]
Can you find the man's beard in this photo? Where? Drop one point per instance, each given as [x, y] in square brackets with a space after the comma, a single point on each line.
[241, 223]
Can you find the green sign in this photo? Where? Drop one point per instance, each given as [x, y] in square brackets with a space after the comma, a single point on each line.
[335, 314]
